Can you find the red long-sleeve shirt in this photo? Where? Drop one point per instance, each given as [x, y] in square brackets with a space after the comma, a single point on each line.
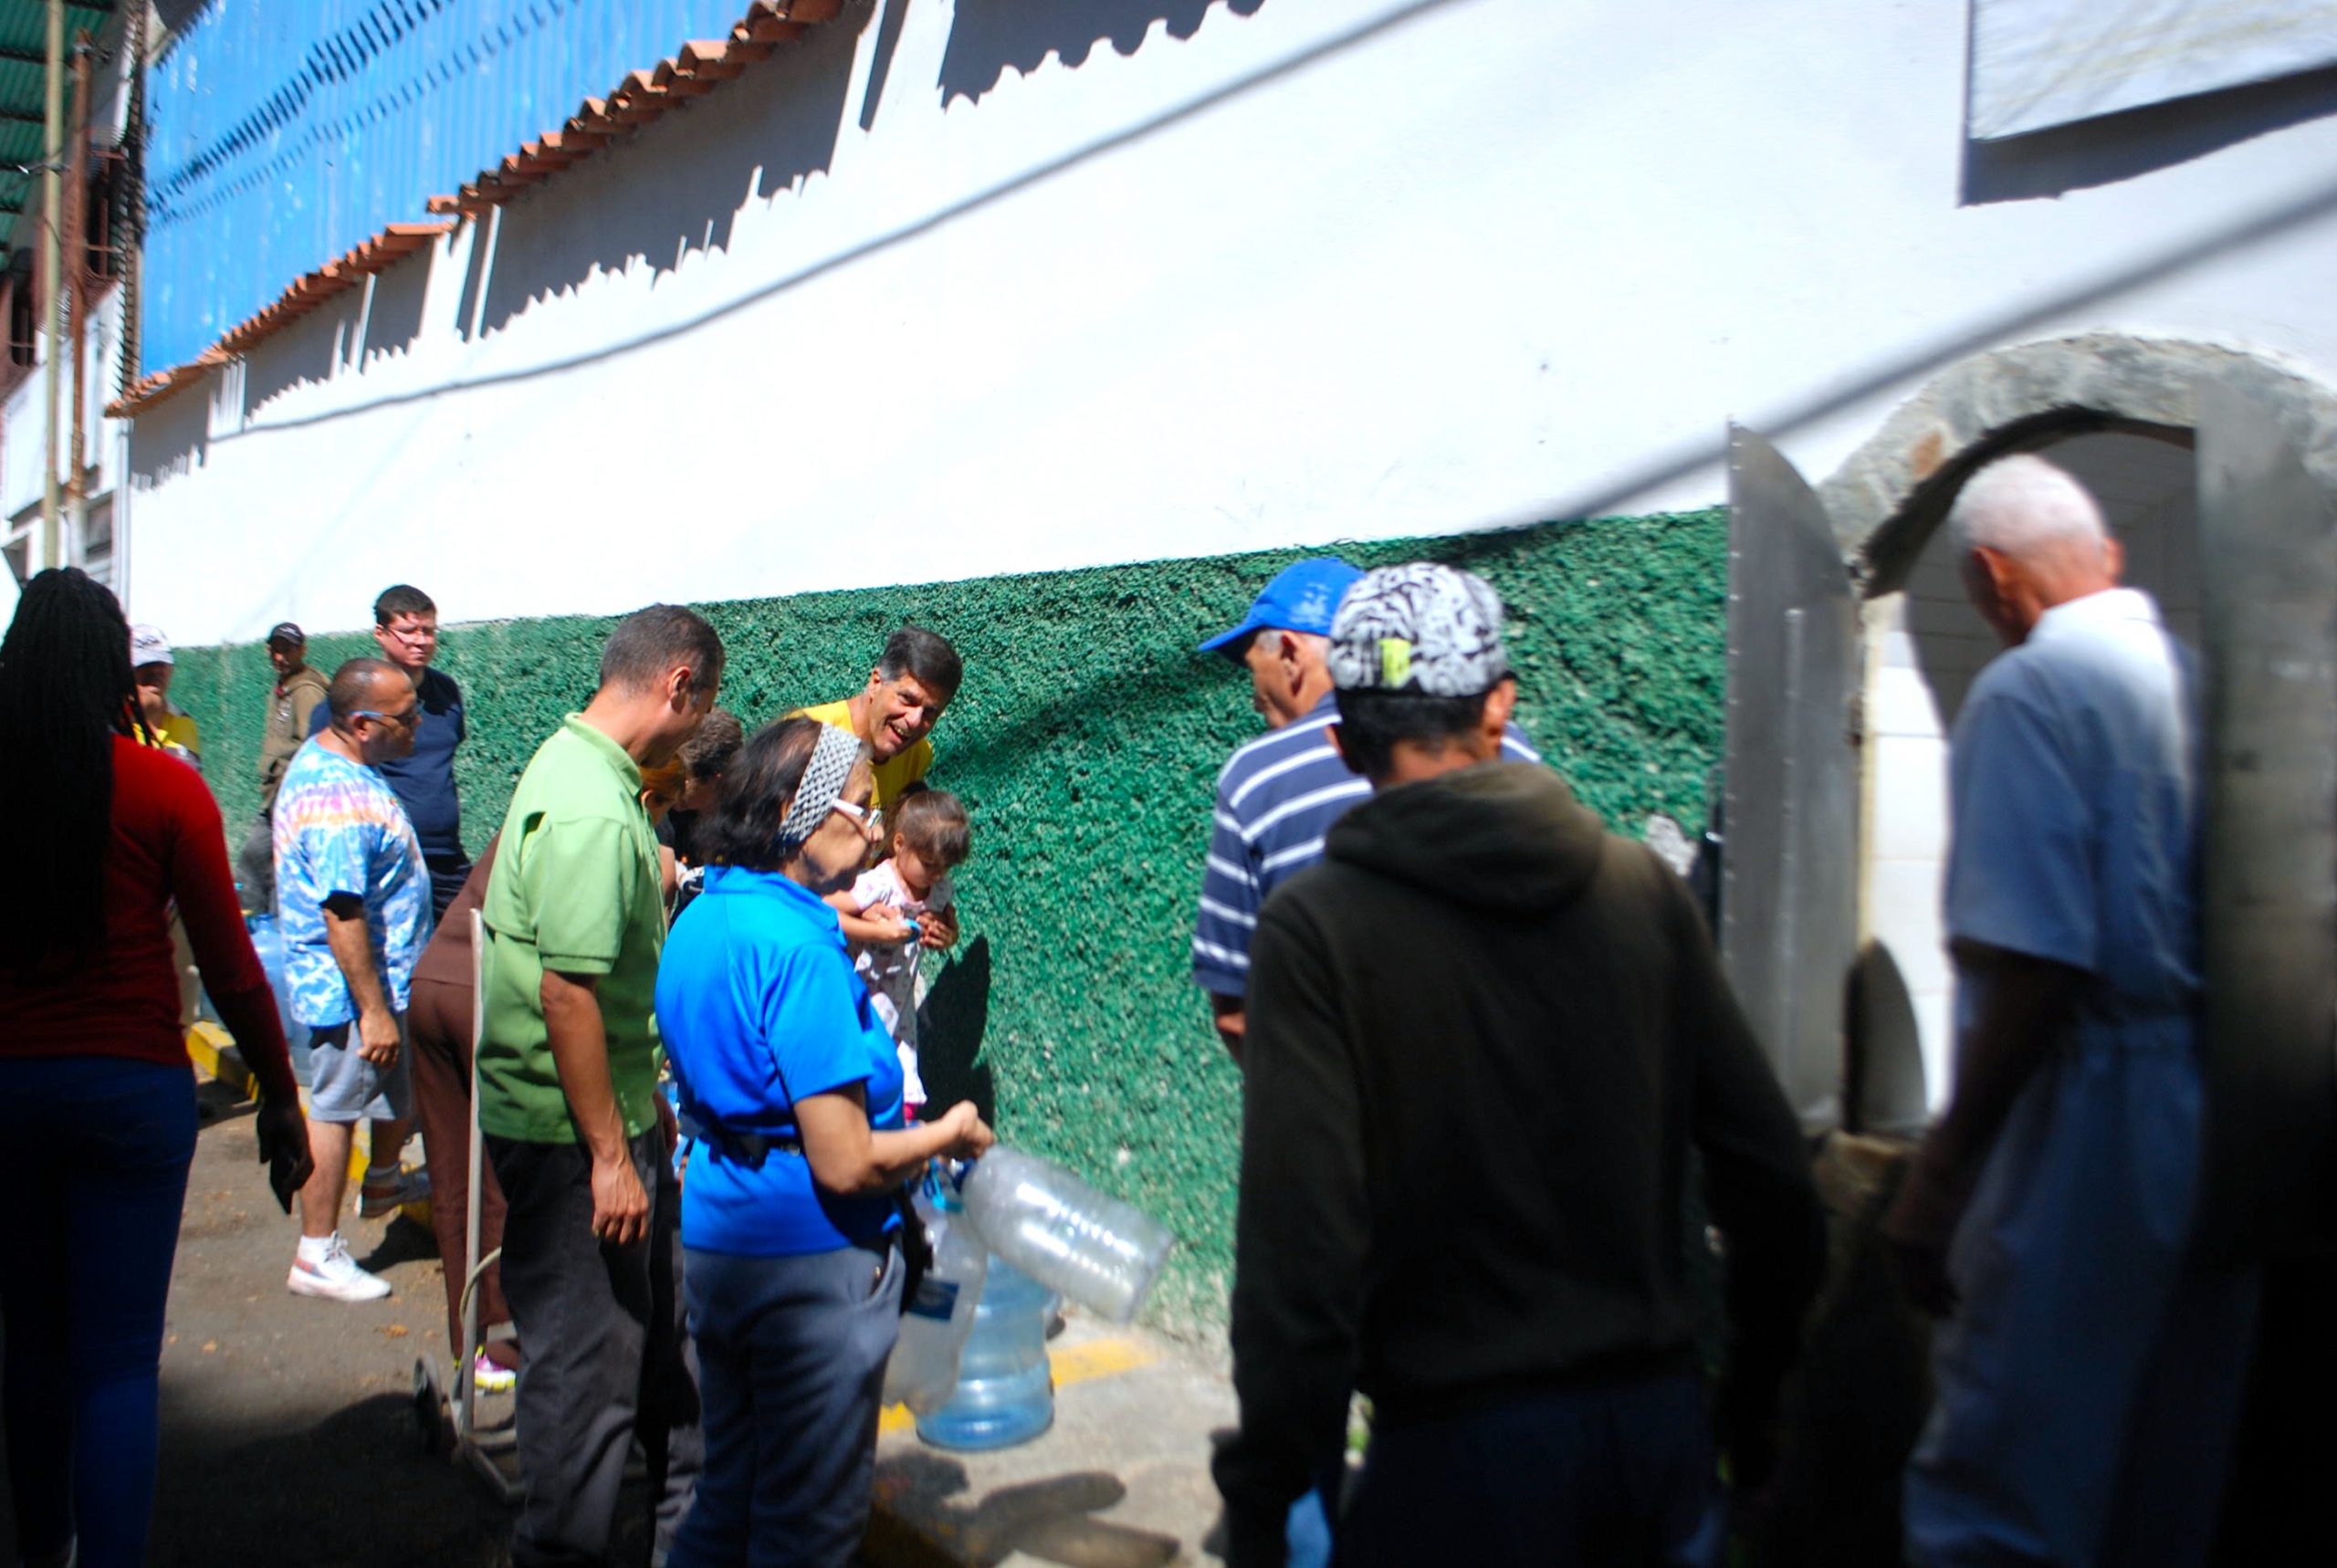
[122, 999]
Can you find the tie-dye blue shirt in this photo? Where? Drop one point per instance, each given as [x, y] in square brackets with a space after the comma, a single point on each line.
[340, 830]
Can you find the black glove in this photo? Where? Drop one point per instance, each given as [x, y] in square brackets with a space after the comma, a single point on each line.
[284, 1149]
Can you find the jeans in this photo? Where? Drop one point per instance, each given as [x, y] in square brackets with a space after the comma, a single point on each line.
[447, 874]
[1618, 1475]
[604, 1351]
[794, 1352]
[93, 1160]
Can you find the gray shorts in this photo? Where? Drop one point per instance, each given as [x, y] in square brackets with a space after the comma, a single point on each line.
[345, 1087]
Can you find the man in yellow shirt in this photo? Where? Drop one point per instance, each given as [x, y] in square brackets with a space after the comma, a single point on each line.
[907, 691]
[913, 682]
[152, 666]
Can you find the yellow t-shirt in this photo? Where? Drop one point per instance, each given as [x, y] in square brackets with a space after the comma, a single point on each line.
[180, 735]
[893, 776]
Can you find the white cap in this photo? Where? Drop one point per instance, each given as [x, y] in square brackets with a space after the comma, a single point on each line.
[149, 646]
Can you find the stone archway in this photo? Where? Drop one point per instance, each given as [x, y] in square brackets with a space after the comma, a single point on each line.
[2093, 393]
[1885, 499]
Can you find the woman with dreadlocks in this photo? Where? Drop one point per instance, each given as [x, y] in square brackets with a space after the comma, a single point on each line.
[101, 834]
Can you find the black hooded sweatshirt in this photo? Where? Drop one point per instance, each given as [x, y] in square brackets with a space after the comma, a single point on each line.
[1484, 1035]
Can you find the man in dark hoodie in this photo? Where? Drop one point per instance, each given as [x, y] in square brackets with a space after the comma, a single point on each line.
[1484, 1036]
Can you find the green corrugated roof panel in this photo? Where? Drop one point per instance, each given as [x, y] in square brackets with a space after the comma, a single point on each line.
[24, 44]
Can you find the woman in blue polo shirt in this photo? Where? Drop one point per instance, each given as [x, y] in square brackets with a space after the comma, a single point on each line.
[792, 1090]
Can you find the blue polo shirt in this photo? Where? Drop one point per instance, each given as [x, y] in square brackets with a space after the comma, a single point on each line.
[760, 1009]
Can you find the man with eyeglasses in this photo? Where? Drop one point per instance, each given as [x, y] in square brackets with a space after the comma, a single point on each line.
[353, 896]
[581, 1141]
[406, 625]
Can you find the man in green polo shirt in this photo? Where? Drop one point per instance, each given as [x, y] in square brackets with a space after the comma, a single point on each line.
[568, 1098]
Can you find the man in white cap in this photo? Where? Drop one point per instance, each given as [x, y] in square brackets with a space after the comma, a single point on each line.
[152, 666]
[1484, 1036]
[174, 730]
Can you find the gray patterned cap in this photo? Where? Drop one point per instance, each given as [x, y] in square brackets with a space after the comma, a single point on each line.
[1418, 628]
[825, 773]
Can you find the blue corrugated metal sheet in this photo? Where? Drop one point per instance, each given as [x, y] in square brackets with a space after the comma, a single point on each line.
[280, 135]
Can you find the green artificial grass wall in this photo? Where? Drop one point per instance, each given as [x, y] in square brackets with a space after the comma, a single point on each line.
[1087, 744]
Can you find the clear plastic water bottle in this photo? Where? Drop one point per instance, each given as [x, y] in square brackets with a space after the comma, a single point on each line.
[922, 1372]
[1006, 1392]
[268, 943]
[1046, 1222]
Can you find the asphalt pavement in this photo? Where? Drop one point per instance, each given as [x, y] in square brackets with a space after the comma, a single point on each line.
[289, 1437]
[288, 1428]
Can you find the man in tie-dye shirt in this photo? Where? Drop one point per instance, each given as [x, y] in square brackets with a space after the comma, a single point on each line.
[353, 904]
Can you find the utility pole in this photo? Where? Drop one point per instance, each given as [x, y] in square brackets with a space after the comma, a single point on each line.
[76, 262]
[51, 267]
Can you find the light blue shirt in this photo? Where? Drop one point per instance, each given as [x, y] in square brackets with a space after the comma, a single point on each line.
[339, 831]
[2074, 780]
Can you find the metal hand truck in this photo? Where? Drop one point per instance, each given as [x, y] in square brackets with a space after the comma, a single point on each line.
[447, 1410]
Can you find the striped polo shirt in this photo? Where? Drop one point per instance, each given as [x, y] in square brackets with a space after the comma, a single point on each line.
[1276, 799]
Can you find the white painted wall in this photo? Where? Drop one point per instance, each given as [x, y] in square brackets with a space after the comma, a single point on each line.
[1333, 269]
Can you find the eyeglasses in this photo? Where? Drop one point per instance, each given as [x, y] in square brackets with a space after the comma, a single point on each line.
[401, 719]
[869, 819]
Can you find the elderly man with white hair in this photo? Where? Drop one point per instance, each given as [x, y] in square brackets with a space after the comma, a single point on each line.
[2090, 1369]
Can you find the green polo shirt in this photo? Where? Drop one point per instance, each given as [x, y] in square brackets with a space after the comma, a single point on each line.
[575, 889]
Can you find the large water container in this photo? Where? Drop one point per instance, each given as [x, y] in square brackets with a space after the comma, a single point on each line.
[1006, 1393]
[268, 943]
[1098, 1252]
[922, 1372]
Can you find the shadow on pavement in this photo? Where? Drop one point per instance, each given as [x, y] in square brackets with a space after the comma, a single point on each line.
[1051, 1520]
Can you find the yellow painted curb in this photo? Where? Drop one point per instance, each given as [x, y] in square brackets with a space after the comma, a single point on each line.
[212, 1050]
[1071, 1363]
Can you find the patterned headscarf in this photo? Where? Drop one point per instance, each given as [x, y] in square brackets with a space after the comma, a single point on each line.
[833, 756]
[1417, 628]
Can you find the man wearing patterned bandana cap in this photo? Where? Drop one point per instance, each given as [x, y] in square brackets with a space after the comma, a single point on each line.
[1484, 1036]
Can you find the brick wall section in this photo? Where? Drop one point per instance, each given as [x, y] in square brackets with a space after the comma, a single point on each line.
[1086, 743]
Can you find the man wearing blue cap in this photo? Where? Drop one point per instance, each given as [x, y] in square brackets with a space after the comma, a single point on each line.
[1280, 793]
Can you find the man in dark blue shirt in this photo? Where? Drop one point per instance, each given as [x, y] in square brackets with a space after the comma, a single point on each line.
[405, 625]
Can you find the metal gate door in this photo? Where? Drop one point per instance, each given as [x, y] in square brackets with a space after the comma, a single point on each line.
[1788, 892]
[2268, 555]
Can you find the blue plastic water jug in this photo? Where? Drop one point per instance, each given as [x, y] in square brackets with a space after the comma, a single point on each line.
[1006, 1393]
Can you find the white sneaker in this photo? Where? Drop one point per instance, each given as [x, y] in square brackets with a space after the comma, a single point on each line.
[335, 1279]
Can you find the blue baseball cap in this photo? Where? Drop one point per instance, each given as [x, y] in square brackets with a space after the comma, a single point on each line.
[1302, 597]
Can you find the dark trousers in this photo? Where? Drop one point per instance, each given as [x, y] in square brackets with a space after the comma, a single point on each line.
[1616, 1476]
[792, 1352]
[93, 1159]
[255, 868]
[447, 874]
[604, 1352]
[438, 1034]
